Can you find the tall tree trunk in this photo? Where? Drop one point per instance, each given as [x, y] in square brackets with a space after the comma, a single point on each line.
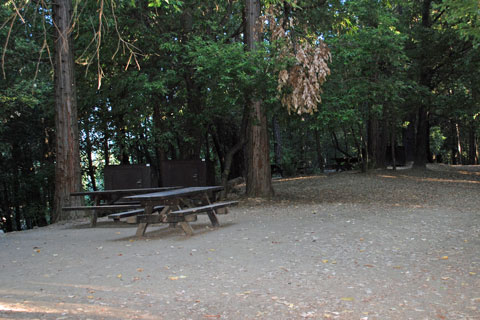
[259, 177]
[425, 80]
[453, 143]
[67, 165]
[421, 154]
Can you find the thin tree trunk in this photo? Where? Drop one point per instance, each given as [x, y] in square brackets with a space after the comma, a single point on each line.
[91, 167]
[459, 144]
[7, 211]
[259, 178]
[16, 154]
[230, 153]
[363, 153]
[337, 145]
[218, 147]
[67, 168]
[392, 143]
[453, 148]
[472, 145]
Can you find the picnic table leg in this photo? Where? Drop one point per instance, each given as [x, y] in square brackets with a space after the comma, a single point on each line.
[213, 218]
[211, 214]
[142, 227]
[187, 228]
[93, 219]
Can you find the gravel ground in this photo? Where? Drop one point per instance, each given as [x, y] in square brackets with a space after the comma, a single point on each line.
[383, 245]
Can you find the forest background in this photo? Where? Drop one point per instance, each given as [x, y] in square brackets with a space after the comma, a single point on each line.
[169, 79]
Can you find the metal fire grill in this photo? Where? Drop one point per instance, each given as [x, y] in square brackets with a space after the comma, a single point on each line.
[172, 173]
[132, 176]
[186, 173]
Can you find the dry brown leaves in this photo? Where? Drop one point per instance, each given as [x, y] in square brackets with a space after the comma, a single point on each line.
[309, 71]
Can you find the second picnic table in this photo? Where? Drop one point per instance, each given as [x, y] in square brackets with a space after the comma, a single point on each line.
[108, 200]
[178, 206]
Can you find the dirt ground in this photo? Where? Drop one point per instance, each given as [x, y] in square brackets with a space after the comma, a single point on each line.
[383, 245]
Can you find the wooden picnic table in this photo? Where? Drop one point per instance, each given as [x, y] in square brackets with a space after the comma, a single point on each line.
[108, 200]
[178, 207]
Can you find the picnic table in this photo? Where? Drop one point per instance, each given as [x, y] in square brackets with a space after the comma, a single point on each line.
[178, 206]
[109, 200]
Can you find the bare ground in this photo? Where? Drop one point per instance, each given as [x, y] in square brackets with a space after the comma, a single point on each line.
[383, 245]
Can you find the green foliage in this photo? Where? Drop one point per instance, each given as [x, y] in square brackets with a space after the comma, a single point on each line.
[463, 16]
[175, 4]
[437, 140]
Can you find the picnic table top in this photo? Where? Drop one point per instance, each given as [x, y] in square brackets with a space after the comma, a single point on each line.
[175, 193]
[122, 191]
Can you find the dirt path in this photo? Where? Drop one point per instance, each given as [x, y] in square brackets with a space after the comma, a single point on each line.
[386, 245]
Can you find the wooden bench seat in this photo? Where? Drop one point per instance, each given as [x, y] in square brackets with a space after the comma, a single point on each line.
[131, 213]
[106, 207]
[207, 208]
[183, 216]
[166, 218]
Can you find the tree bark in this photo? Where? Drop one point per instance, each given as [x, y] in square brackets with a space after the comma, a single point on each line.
[421, 154]
[259, 178]
[67, 166]
[392, 144]
[459, 144]
[422, 138]
[89, 150]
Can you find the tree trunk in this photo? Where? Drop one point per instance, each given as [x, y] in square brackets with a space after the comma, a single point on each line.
[259, 178]
[421, 154]
[67, 165]
[459, 144]
[409, 137]
[472, 145]
[7, 209]
[392, 143]
[425, 80]
[453, 144]
[91, 168]
[377, 137]
[227, 164]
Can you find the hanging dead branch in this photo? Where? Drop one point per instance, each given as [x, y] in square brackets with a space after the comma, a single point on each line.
[127, 48]
[92, 52]
[300, 83]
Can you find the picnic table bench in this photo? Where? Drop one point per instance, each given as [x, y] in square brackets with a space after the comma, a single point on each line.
[119, 215]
